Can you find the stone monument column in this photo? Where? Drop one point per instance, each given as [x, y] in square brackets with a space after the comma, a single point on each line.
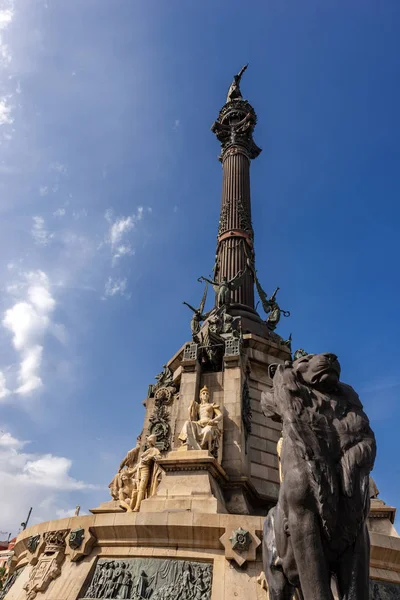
[235, 253]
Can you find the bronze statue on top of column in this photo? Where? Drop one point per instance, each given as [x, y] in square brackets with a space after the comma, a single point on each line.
[234, 92]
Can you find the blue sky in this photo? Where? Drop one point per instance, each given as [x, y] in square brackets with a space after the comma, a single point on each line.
[110, 190]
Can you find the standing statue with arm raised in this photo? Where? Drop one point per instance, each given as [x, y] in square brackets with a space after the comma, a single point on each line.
[234, 92]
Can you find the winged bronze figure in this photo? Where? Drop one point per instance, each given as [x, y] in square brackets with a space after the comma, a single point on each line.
[224, 287]
[198, 315]
[271, 307]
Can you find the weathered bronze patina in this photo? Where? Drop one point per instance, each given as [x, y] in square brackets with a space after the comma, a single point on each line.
[318, 527]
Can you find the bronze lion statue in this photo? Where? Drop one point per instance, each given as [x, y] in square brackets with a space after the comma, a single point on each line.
[318, 528]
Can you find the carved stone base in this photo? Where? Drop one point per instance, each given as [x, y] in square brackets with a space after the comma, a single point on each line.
[192, 481]
[224, 541]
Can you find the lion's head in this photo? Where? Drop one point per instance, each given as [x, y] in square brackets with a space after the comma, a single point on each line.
[320, 371]
[293, 380]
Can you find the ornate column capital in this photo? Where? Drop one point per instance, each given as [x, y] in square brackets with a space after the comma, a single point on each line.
[234, 129]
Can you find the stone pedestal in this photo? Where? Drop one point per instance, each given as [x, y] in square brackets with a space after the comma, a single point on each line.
[192, 482]
[166, 541]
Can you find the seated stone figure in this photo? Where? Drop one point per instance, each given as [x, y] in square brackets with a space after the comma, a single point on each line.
[127, 493]
[203, 429]
[318, 527]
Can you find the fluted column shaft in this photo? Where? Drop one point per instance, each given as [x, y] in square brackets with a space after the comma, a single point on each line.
[235, 235]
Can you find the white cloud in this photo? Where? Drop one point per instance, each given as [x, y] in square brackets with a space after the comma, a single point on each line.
[43, 190]
[4, 391]
[29, 320]
[25, 323]
[120, 228]
[49, 471]
[60, 212]
[6, 17]
[9, 441]
[29, 368]
[33, 479]
[115, 286]
[123, 250]
[39, 232]
[5, 110]
[119, 231]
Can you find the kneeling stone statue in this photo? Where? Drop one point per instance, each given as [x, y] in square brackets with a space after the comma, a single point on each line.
[318, 527]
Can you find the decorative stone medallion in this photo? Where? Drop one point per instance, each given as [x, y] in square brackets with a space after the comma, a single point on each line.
[241, 546]
[164, 395]
[33, 542]
[76, 538]
[240, 540]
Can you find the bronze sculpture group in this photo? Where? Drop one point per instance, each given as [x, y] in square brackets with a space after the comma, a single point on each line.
[223, 289]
